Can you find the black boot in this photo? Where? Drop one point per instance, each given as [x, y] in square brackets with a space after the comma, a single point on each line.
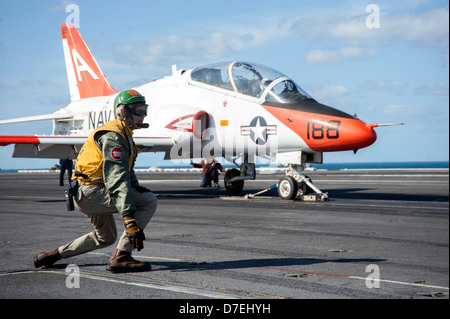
[47, 259]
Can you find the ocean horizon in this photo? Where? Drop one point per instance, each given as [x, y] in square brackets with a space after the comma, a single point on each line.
[325, 166]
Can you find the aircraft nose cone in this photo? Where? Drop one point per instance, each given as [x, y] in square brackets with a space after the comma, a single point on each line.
[367, 136]
[352, 134]
[327, 131]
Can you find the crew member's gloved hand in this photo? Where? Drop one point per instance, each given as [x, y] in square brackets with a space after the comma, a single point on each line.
[135, 234]
[141, 189]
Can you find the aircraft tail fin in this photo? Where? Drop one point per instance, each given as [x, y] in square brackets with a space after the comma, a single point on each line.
[85, 77]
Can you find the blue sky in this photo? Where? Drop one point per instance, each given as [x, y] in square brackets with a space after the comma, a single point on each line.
[395, 73]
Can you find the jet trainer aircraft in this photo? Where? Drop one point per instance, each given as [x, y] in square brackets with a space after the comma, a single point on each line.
[235, 110]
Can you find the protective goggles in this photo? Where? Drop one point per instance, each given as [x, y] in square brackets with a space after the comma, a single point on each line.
[132, 108]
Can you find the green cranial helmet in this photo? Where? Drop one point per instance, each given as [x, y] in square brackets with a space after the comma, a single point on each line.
[124, 107]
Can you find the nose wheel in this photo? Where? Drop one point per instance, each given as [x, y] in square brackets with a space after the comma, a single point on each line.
[287, 188]
[297, 185]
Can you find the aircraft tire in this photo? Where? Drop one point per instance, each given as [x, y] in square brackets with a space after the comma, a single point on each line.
[287, 188]
[233, 188]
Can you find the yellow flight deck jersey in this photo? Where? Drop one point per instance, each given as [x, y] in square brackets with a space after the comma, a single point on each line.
[108, 157]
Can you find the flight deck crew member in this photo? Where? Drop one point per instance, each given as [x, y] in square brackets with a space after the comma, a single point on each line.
[210, 171]
[66, 165]
[107, 185]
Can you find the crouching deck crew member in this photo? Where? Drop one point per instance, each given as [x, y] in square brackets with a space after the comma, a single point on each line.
[107, 184]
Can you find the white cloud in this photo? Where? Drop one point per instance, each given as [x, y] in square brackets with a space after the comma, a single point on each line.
[425, 29]
[338, 55]
[436, 89]
[346, 37]
[429, 28]
[210, 45]
[393, 87]
[174, 48]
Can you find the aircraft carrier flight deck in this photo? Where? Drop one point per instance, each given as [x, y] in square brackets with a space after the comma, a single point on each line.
[383, 234]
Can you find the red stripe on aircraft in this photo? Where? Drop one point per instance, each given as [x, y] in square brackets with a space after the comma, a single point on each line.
[18, 139]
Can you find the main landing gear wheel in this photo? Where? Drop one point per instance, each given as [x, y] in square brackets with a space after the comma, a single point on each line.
[233, 188]
[287, 187]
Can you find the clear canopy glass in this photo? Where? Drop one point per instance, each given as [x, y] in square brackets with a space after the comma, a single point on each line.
[251, 79]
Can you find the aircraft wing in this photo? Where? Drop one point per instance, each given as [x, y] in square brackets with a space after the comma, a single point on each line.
[51, 146]
[53, 116]
[66, 146]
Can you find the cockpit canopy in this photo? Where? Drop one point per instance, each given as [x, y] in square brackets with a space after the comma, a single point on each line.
[251, 79]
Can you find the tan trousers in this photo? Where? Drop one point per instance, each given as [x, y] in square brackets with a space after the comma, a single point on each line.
[95, 202]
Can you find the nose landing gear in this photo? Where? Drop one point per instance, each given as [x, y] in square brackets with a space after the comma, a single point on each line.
[297, 185]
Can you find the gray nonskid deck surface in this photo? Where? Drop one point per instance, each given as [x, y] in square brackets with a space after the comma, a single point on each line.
[383, 234]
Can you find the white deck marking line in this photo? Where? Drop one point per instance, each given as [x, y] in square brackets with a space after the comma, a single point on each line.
[358, 278]
[325, 274]
[161, 286]
[400, 283]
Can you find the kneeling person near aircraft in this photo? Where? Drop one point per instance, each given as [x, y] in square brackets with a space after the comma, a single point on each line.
[107, 185]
